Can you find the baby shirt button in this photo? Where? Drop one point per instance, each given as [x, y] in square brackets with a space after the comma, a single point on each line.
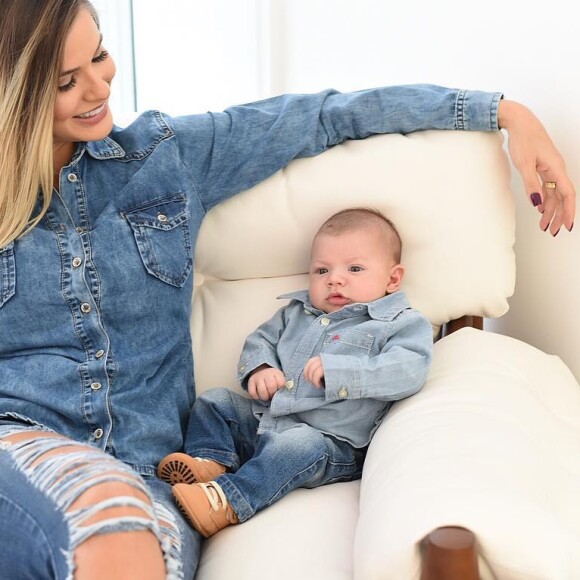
[325, 321]
[343, 393]
[289, 385]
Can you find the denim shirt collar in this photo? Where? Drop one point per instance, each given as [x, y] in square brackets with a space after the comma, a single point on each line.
[134, 142]
[386, 308]
[107, 148]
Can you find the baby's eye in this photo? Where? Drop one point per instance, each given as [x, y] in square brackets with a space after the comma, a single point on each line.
[355, 269]
[321, 271]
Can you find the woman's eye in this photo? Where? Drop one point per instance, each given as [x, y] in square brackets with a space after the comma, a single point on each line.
[71, 84]
[103, 55]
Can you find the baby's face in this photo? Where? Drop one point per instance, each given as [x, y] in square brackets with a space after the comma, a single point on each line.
[355, 266]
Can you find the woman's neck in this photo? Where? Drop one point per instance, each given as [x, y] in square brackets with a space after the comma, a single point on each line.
[61, 155]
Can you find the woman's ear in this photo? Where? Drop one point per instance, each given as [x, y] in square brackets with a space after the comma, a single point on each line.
[396, 277]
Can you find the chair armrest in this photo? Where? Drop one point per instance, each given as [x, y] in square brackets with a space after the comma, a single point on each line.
[492, 444]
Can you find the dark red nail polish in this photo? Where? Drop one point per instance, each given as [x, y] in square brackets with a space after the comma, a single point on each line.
[557, 232]
[536, 199]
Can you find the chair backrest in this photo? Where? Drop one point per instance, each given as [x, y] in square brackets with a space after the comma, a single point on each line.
[448, 193]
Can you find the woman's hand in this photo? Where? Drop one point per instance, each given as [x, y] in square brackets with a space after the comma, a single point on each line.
[541, 166]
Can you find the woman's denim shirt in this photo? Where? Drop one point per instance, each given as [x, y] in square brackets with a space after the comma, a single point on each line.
[95, 301]
[372, 354]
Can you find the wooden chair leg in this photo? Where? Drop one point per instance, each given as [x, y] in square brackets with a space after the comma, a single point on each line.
[449, 554]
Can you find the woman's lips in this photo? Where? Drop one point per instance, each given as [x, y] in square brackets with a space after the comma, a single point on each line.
[95, 116]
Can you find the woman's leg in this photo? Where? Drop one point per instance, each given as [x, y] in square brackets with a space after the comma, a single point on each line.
[112, 527]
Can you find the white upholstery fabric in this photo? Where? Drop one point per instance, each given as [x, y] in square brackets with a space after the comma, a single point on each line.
[491, 443]
[447, 192]
[308, 535]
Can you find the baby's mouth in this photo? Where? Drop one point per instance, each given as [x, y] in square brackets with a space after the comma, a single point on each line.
[337, 298]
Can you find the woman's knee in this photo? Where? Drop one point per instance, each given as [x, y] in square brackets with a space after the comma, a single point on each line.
[95, 492]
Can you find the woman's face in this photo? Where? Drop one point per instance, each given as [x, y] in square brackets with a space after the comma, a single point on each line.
[81, 111]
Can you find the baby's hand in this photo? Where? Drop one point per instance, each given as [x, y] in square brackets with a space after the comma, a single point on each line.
[314, 372]
[264, 382]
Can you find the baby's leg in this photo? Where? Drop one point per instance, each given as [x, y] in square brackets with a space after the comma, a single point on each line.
[108, 528]
[222, 427]
[298, 457]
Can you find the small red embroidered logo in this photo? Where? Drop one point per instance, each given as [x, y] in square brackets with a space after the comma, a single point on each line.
[336, 337]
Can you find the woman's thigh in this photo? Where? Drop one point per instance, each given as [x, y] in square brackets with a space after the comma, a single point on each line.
[182, 542]
[68, 493]
[34, 535]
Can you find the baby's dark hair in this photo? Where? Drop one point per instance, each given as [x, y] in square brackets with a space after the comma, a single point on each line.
[356, 218]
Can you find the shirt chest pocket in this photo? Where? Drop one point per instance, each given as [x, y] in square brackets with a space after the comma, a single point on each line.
[161, 230]
[348, 341]
[7, 273]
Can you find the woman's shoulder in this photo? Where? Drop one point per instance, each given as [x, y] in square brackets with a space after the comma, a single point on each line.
[138, 133]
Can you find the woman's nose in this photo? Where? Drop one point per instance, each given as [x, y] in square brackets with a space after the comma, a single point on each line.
[99, 88]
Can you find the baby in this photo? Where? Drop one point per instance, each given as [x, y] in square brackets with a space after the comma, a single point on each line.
[320, 375]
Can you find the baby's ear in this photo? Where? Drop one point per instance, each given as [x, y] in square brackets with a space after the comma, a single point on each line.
[397, 273]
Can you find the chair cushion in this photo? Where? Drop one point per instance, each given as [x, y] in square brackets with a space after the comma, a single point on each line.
[447, 192]
[308, 534]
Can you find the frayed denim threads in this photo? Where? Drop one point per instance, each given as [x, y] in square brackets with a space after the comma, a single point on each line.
[65, 477]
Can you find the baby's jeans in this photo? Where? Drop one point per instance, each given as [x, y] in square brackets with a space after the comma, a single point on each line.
[266, 467]
[38, 535]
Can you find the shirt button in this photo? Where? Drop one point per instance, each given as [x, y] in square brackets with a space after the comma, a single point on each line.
[343, 393]
[325, 321]
[99, 353]
[72, 177]
[79, 230]
[77, 262]
[96, 386]
[98, 433]
[85, 307]
[289, 385]
[162, 218]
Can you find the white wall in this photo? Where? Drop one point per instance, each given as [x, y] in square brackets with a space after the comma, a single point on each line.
[526, 48]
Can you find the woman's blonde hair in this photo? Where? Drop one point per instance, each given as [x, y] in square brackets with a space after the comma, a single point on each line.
[32, 38]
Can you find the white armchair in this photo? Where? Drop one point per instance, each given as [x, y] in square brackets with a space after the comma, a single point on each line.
[491, 443]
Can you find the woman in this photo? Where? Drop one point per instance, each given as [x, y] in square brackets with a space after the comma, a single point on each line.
[97, 229]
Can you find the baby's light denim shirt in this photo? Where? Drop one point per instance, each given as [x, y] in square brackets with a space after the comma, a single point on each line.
[95, 301]
[372, 354]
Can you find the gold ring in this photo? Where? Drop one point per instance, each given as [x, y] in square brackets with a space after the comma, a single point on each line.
[550, 184]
